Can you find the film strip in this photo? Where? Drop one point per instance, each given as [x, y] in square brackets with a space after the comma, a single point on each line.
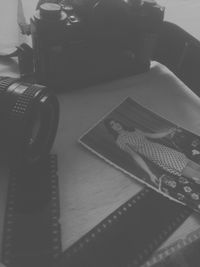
[129, 236]
[31, 228]
[183, 252]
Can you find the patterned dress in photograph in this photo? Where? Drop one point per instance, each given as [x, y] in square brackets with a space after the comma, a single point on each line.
[165, 157]
[175, 185]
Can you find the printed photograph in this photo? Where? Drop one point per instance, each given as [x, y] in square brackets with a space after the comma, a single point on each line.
[150, 149]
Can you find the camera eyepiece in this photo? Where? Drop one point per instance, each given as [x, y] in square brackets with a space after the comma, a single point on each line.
[29, 116]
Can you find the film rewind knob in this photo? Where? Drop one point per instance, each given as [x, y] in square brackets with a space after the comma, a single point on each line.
[50, 11]
[149, 2]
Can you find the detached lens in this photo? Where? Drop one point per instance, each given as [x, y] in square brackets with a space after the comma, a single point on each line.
[28, 121]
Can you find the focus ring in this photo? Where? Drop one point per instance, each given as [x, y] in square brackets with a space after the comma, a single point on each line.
[18, 121]
[5, 82]
[24, 100]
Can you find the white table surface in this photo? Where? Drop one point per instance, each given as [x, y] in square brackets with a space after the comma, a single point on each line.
[91, 189]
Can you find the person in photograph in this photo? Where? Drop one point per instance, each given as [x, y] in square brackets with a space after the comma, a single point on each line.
[139, 144]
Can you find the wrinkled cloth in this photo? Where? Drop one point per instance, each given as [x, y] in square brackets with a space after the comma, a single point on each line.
[15, 19]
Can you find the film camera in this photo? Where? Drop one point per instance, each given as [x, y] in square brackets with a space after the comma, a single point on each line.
[77, 43]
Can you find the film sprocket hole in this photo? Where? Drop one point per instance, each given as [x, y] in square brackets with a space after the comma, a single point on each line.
[78, 43]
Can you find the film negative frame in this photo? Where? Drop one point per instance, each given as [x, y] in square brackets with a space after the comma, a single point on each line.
[137, 238]
[40, 223]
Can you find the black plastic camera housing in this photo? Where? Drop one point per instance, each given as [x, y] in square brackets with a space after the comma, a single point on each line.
[78, 43]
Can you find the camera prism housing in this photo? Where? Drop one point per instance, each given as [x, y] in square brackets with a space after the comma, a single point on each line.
[81, 43]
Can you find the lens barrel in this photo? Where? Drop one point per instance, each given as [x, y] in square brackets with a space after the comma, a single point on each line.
[29, 115]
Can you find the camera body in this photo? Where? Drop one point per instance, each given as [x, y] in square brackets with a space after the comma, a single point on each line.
[78, 43]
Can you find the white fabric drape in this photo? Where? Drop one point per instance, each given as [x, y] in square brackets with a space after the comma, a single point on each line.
[13, 13]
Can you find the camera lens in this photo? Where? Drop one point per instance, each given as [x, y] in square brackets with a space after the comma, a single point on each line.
[28, 121]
